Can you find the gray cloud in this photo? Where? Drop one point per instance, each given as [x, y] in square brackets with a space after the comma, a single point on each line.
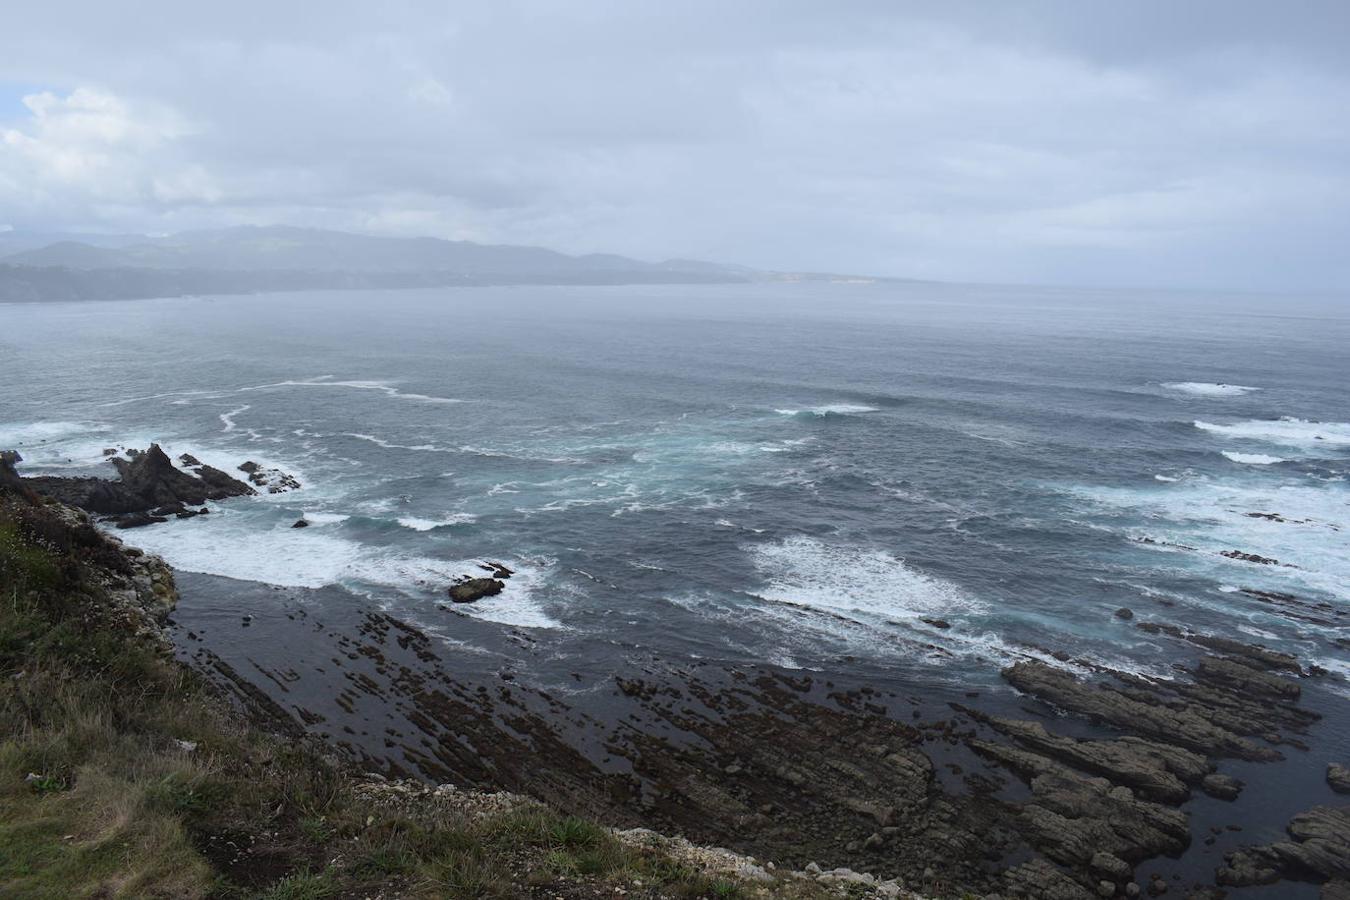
[1202, 143]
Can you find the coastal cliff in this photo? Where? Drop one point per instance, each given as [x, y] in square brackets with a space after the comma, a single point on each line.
[125, 774]
[385, 770]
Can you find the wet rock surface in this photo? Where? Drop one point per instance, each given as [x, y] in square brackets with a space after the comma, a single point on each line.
[470, 590]
[802, 768]
[1318, 849]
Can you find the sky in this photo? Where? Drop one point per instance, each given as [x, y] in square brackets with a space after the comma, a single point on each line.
[1203, 143]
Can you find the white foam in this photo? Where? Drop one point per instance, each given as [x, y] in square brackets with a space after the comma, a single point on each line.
[1253, 459]
[384, 387]
[1212, 516]
[1287, 431]
[232, 542]
[1167, 479]
[419, 524]
[324, 518]
[838, 409]
[49, 447]
[1208, 388]
[390, 445]
[227, 418]
[808, 572]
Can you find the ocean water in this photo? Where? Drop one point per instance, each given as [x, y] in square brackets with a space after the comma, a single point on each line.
[809, 475]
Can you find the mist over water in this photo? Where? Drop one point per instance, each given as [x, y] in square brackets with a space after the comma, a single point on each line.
[923, 478]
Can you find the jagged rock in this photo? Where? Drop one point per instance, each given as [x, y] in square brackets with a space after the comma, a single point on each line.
[497, 569]
[1106, 889]
[1157, 771]
[300, 523]
[1125, 613]
[9, 478]
[1320, 845]
[1244, 678]
[1250, 557]
[274, 480]
[138, 520]
[472, 589]
[148, 481]
[1184, 727]
[1338, 776]
[1335, 889]
[1224, 787]
[938, 623]
[1040, 880]
[1112, 867]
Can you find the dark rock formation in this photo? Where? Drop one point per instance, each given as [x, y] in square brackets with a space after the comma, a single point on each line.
[147, 482]
[1224, 787]
[1157, 771]
[1039, 880]
[1184, 726]
[1250, 557]
[300, 523]
[1338, 776]
[472, 589]
[1319, 849]
[274, 481]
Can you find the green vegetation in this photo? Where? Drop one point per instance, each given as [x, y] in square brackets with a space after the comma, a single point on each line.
[123, 775]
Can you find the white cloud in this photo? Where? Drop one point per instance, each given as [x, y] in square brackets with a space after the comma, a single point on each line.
[90, 149]
[960, 140]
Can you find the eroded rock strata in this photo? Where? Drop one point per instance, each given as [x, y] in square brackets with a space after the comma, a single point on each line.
[801, 768]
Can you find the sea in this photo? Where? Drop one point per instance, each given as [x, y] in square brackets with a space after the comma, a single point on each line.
[924, 480]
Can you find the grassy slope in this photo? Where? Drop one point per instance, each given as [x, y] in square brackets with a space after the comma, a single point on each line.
[98, 797]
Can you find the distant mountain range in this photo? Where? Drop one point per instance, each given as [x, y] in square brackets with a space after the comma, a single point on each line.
[249, 258]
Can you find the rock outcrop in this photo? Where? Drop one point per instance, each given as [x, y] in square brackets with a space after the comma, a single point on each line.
[1318, 849]
[471, 590]
[1100, 806]
[146, 483]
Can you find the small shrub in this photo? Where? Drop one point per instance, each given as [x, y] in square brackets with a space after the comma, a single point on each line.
[574, 833]
[46, 784]
[302, 886]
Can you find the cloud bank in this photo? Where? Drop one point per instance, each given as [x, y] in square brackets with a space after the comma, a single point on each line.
[1196, 144]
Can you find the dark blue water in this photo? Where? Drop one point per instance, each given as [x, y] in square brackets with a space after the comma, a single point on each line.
[798, 474]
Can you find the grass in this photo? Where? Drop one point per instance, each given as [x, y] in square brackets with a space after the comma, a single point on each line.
[98, 798]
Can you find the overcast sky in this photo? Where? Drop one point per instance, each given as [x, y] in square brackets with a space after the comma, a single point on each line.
[1187, 142]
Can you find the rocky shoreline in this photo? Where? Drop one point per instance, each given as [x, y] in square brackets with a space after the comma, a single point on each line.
[1078, 795]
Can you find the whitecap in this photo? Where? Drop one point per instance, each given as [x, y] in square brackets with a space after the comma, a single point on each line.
[836, 409]
[1252, 459]
[1286, 431]
[390, 445]
[1208, 388]
[384, 387]
[809, 572]
[420, 524]
[324, 518]
[227, 418]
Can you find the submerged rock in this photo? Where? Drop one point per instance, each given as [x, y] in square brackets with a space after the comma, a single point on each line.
[1223, 787]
